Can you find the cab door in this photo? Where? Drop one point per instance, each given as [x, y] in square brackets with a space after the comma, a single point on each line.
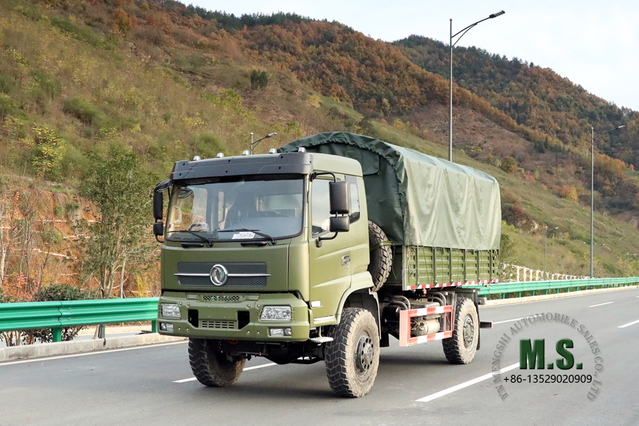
[330, 271]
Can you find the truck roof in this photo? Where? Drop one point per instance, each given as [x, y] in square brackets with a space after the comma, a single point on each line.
[281, 163]
[416, 198]
[267, 164]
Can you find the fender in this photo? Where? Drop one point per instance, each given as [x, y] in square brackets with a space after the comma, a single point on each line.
[359, 295]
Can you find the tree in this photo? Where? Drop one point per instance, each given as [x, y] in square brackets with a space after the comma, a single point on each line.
[120, 190]
[57, 292]
[507, 258]
[509, 165]
[259, 79]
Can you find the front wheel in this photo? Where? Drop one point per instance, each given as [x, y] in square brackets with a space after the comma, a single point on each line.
[212, 367]
[461, 348]
[352, 357]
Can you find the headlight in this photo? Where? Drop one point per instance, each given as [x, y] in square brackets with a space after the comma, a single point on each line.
[170, 310]
[276, 313]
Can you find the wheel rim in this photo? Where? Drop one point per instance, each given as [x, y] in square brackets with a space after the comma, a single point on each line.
[365, 354]
[469, 331]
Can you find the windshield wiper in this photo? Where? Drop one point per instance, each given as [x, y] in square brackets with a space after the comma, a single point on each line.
[201, 237]
[255, 231]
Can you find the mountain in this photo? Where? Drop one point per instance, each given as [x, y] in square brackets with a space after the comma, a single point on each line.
[165, 82]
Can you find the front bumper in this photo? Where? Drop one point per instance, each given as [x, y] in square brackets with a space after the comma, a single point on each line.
[233, 316]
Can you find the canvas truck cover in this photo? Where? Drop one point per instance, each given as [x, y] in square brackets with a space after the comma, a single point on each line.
[418, 199]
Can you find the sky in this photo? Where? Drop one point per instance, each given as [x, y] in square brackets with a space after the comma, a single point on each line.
[593, 43]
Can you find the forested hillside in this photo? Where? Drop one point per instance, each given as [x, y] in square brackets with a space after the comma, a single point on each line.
[560, 111]
[107, 94]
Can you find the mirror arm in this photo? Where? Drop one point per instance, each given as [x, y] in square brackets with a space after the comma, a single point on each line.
[319, 240]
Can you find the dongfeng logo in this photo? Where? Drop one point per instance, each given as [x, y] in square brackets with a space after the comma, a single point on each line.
[218, 275]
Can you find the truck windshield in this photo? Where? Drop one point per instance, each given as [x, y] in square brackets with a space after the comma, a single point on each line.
[245, 209]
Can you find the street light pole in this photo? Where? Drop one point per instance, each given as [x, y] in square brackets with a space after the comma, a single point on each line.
[592, 198]
[592, 192]
[450, 97]
[259, 140]
[545, 249]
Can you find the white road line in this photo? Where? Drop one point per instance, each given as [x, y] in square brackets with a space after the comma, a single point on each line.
[465, 384]
[246, 369]
[510, 320]
[629, 324]
[106, 351]
[600, 304]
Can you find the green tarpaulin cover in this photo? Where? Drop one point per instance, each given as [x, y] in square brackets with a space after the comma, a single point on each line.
[418, 199]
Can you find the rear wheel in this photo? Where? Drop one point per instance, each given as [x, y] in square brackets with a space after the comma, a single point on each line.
[352, 358]
[461, 348]
[212, 367]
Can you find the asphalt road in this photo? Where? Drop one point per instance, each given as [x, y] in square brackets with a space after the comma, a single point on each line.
[153, 385]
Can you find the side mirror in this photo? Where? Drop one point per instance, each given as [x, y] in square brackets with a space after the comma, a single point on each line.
[339, 224]
[158, 205]
[338, 193]
[158, 228]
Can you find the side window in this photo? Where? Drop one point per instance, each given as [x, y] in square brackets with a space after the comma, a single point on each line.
[321, 212]
[354, 206]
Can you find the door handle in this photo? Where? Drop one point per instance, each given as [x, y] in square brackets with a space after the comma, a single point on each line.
[346, 260]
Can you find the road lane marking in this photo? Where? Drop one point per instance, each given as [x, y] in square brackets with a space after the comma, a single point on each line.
[246, 369]
[98, 352]
[600, 304]
[510, 320]
[465, 384]
[629, 324]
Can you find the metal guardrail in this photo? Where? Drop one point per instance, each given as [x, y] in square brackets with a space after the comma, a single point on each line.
[56, 315]
[547, 286]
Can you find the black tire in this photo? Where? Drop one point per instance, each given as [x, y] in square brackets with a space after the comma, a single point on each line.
[381, 255]
[352, 358]
[461, 348]
[212, 367]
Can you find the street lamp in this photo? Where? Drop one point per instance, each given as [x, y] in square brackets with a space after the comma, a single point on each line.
[545, 249]
[259, 140]
[592, 191]
[462, 32]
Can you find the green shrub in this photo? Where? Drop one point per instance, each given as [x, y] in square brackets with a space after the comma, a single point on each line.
[509, 165]
[50, 87]
[259, 79]
[207, 145]
[58, 210]
[83, 110]
[58, 292]
[74, 163]
[7, 106]
[48, 153]
[7, 83]
[71, 207]
[81, 33]
[29, 11]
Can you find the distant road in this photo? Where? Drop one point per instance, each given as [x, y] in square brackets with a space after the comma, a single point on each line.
[153, 385]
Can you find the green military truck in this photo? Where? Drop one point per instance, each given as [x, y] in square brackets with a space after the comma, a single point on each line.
[322, 250]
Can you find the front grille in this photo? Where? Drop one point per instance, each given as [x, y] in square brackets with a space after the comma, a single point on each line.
[220, 298]
[218, 324]
[204, 269]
